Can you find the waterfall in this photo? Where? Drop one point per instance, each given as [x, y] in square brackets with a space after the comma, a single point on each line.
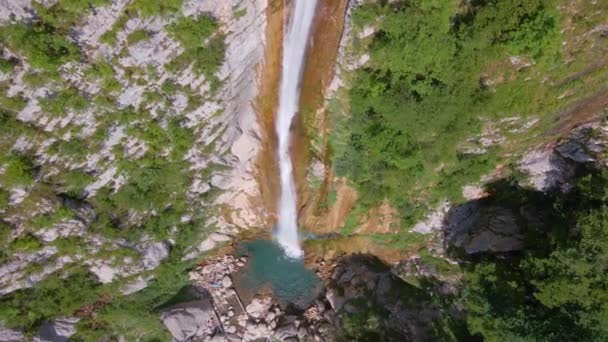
[294, 53]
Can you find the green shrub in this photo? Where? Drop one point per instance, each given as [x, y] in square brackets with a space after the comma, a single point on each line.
[4, 199]
[6, 66]
[182, 139]
[137, 36]
[206, 60]
[68, 98]
[42, 46]
[135, 321]
[11, 129]
[19, 171]
[5, 234]
[169, 87]
[25, 244]
[45, 221]
[206, 57]
[37, 78]
[109, 37]
[99, 71]
[240, 13]
[149, 8]
[72, 182]
[51, 298]
[192, 32]
[64, 14]
[420, 95]
[69, 245]
[13, 104]
[75, 149]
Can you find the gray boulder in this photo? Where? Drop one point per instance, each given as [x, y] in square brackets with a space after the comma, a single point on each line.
[195, 318]
[554, 168]
[154, 253]
[286, 332]
[138, 284]
[59, 330]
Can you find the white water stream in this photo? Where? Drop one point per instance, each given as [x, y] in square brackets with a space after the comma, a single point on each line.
[294, 53]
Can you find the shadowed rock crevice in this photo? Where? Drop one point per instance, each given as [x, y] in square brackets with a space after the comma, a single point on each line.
[373, 304]
[499, 223]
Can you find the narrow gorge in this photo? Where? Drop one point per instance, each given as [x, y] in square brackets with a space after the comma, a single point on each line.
[303, 170]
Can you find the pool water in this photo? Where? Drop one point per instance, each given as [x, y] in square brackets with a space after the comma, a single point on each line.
[291, 282]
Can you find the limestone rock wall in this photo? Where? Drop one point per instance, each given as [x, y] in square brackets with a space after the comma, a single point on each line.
[121, 75]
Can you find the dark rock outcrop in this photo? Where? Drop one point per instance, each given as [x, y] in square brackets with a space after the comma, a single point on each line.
[476, 228]
[554, 168]
[363, 286]
[60, 330]
[498, 223]
[192, 318]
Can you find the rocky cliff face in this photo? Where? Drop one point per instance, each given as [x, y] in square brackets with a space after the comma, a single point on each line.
[80, 134]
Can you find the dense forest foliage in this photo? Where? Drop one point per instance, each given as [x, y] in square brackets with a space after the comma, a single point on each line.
[421, 95]
[424, 91]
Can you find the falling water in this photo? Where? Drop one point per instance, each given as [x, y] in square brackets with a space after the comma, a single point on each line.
[294, 52]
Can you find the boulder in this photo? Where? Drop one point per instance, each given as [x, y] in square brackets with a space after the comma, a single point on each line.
[259, 307]
[520, 62]
[154, 253]
[476, 227]
[61, 230]
[190, 319]
[546, 170]
[433, 221]
[286, 332]
[15, 10]
[554, 168]
[256, 331]
[60, 330]
[104, 273]
[206, 245]
[226, 281]
[218, 237]
[138, 284]
[16, 196]
[349, 290]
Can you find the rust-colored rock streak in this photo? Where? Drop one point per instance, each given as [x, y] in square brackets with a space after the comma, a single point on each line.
[328, 249]
[266, 106]
[318, 74]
